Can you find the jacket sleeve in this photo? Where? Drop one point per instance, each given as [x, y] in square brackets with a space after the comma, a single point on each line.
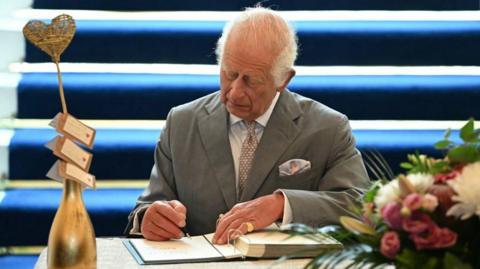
[340, 187]
[162, 180]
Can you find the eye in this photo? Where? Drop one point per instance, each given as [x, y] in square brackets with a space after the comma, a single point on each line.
[230, 75]
[252, 81]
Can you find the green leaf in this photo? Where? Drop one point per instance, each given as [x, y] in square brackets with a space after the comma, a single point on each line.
[406, 165]
[447, 133]
[467, 133]
[464, 154]
[443, 144]
[439, 167]
[372, 191]
[452, 261]
[370, 195]
[431, 263]
[416, 259]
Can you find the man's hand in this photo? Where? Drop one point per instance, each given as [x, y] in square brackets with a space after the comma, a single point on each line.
[163, 220]
[260, 212]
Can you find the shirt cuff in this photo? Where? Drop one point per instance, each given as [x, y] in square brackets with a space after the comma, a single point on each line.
[136, 221]
[287, 209]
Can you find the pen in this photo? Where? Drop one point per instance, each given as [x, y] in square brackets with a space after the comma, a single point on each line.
[185, 232]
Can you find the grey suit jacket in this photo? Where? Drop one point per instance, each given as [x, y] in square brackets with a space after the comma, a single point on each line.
[193, 162]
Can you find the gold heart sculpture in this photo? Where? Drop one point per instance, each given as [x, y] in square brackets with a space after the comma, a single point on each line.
[54, 38]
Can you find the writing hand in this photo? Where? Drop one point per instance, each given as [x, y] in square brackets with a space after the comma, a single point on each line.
[260, 212]
[163, 220]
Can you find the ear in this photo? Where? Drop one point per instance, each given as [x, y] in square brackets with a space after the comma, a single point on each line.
[289, 77]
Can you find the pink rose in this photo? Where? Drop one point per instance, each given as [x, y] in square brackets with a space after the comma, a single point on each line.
[390, 244]
[447, 238]
[429, 202]
[443, 178]
[392, 216]
[413, 201]
[434, 238]
[418, 222]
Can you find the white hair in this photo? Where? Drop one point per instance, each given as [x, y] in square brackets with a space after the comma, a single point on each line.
[278, 36]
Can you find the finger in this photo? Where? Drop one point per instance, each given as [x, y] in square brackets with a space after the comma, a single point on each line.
[151, 231]
[151, 235]
[153, 220]
[162, 223]
[160, 231]
[239, 211]
[178, 206]
[163, 208]
[223, 223]
[232, 231]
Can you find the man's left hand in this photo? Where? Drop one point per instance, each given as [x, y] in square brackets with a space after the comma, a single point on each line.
[260, 213]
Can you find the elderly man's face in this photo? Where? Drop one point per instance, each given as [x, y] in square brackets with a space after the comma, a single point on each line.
[247, 86]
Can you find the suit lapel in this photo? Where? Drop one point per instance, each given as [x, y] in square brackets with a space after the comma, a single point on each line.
[279, 133]
[213, 127]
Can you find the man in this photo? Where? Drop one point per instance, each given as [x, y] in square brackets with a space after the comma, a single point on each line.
[253, 153]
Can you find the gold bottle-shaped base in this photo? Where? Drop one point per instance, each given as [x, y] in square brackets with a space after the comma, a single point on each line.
[71, 243]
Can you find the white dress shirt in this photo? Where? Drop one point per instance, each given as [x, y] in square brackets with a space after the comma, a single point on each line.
[238, 133]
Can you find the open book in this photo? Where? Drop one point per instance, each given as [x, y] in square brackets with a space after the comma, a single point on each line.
[261, 244]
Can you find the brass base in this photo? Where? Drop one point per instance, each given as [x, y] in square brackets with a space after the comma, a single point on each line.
[71, 243]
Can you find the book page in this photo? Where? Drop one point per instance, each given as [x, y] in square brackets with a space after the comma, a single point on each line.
[275, 238]
[177, 250]
[227, 250]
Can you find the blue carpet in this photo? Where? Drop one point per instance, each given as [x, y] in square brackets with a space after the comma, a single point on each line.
[151, 96]
[18, 261]
[237, 5]
[27, 214]
[128, 154]
[322, 42]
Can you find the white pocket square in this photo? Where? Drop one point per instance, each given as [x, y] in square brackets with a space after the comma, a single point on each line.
[294, 166]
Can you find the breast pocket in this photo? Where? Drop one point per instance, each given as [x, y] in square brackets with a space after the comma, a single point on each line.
[301, 181]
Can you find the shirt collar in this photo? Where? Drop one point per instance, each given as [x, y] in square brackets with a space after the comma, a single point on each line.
[263, 119]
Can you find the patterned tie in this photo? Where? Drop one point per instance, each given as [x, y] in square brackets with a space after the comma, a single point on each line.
[246, 156]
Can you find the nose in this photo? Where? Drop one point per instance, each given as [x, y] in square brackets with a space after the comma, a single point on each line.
[237, 90]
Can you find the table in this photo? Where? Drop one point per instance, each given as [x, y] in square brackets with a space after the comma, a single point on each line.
[111, 253]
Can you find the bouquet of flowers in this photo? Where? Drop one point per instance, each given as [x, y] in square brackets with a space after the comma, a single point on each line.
[425, 218]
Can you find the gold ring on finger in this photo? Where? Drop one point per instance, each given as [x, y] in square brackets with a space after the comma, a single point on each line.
[250, 227]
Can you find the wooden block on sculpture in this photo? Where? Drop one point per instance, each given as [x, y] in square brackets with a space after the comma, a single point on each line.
[74, 129]
[70, 171]
[61, 170]
[53, 172]
[69, 151]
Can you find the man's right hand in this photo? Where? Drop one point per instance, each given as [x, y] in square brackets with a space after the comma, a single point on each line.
[163, 220]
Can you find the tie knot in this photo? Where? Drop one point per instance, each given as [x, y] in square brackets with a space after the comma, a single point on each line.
[250, 127]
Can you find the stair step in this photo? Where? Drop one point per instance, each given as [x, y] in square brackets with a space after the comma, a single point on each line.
[128, 154]
[18, 261]
[322, 42]
[117, 154]
[32, 211]
[151, 96]
[276, 4]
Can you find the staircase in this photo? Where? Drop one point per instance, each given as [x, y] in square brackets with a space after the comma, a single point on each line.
[403, 71]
